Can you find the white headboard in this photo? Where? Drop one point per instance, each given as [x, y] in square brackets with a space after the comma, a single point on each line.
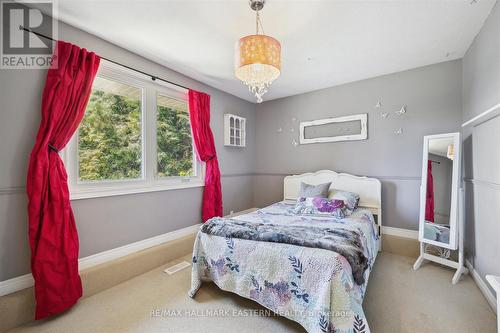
[369, 189]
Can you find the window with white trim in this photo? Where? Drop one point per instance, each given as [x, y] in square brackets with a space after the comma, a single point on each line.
[135, 137]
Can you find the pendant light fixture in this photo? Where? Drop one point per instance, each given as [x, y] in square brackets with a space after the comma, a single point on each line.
[258, 57]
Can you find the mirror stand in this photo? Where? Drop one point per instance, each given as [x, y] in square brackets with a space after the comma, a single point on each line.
[441, 220]
[458, 265]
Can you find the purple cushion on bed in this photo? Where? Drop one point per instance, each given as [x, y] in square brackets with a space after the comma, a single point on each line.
[320, 206]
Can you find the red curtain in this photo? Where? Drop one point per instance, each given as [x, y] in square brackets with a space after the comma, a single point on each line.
[429, 198]
[199, 113]
[53, 236]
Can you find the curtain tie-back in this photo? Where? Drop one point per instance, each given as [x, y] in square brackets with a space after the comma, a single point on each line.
[51, 147]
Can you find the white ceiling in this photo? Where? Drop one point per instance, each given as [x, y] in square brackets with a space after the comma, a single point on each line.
[324, 43]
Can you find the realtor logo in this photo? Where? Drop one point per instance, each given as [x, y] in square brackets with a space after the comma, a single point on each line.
[22, 49]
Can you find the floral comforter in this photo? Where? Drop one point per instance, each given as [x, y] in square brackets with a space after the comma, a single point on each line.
[314, 287]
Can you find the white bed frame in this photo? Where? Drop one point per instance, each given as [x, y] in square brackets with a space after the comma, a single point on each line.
[369, 189]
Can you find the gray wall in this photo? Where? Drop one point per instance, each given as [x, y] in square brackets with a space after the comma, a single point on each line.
[106, 223]
[481, 91]
[432, 95]
[481, 68]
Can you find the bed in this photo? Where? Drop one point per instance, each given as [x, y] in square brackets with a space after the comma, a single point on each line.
[319, 288]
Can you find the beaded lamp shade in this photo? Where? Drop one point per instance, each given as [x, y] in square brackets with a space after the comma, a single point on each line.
[258, 61]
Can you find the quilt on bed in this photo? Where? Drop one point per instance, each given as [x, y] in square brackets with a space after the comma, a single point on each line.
[313, 286]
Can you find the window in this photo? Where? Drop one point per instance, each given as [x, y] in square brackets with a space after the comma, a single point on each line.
[135, 137]
[110, 135]
[173, 135]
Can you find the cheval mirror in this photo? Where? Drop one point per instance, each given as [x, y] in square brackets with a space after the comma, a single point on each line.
[440, 223]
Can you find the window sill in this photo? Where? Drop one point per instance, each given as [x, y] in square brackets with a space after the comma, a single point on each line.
[126, 190]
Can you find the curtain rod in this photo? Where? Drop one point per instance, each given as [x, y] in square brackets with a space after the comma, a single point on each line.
[153, 77]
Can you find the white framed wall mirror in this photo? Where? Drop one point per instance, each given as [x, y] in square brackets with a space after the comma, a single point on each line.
[439, 191]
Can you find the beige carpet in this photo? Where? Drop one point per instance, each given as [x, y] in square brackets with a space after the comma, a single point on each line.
[398, 300]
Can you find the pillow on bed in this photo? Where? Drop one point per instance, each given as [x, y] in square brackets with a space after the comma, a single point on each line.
[320, 206]
[314, 191]
[350, 199]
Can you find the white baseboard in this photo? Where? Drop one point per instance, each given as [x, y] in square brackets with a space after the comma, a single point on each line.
[26, 281]
[492, 301]
[102, 257]
[15, 284]
[405, 233]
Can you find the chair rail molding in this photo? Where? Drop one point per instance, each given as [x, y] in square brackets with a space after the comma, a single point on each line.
[12, 189]
[484, 183]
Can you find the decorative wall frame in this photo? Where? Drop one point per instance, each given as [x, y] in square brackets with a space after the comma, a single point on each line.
[234, 130]
[362, 135]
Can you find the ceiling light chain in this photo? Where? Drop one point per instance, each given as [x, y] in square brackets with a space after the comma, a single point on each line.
[257, 19]
[258, 23]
